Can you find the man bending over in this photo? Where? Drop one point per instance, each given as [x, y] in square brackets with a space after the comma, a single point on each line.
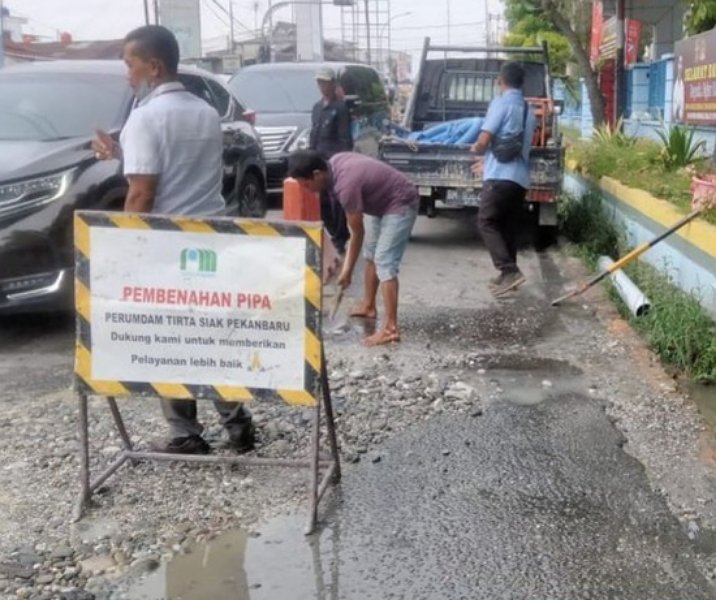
[381, 206]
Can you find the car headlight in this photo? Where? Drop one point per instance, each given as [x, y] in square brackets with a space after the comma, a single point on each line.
[34, 192]
[301, 141]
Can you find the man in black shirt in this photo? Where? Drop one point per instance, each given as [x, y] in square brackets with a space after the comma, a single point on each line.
[331, 134]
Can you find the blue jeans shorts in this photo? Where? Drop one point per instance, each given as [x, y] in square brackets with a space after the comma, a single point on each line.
[386, 239]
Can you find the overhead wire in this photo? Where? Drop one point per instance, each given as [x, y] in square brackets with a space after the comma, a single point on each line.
[211, 9]
[228, 14]
[419, 27]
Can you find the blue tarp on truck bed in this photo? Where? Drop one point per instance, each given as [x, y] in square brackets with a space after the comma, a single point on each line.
[460, 131]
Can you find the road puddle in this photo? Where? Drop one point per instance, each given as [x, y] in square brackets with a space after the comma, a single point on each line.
[274, 561]
[530, 380]
[529, 388]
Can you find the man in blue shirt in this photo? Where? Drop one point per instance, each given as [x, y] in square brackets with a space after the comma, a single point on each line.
[505, 181]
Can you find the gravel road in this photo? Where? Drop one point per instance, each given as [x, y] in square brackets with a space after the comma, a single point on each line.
[569, 420]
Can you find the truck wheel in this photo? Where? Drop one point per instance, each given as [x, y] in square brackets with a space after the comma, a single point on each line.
[546, 236]
[251, 197]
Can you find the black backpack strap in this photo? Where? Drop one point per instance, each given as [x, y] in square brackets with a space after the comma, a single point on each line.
[524, 116]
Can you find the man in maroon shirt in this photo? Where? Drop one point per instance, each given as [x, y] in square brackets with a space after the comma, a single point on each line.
[381, 206]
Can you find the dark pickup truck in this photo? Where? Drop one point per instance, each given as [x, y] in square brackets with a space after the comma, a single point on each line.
[460, 82]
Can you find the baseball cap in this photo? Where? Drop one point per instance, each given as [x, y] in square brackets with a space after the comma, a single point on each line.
[326, 74]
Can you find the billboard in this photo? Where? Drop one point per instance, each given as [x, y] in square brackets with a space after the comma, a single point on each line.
[183, 18]
[694, 98]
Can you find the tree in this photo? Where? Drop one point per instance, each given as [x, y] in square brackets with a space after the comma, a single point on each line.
[700, 16]
[559, 50]
[571, 19]
[530, 29]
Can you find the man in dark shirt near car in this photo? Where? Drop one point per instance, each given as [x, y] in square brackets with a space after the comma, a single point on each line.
[331, 134]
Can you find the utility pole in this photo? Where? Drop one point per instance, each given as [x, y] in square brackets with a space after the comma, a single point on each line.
[2, 36]
[367, 31]
[270, 11]
[487, 21]
[156, 12]
[343, 26]
[231, 25]
[449, 22]
[146, 12]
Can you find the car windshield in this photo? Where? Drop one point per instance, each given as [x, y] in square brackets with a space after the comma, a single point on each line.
[52, 106]
[276, 90]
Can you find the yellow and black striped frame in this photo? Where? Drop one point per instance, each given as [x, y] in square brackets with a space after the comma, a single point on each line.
[84, 221]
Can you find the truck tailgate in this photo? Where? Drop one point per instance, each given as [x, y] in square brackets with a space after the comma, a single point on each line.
[448, 166]
[435, 165]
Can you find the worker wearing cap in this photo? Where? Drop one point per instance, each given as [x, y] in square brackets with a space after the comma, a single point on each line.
[331, 134]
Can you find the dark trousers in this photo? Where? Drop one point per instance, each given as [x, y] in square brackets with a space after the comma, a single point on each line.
[501, 203]
[334, 219]
[181, 417]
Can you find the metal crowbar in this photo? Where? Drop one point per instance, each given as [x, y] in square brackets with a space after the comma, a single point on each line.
[627, 258]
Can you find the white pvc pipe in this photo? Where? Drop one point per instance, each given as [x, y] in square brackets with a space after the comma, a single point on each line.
[637, 303]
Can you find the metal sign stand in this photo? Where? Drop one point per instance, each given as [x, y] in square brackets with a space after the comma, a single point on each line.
[315, 463]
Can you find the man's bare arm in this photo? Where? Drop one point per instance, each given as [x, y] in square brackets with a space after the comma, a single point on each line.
[482, 143]
[355, 225]
[140, 197]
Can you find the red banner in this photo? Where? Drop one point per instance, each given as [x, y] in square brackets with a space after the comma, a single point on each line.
[633, 34]
[608, 45]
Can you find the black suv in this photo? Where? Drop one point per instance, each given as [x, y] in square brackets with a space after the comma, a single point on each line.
[49, 112]
[283, 94]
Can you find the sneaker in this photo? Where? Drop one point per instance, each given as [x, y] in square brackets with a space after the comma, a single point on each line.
[510, 281]
[496, 281]
[245, 441]
[193, 444]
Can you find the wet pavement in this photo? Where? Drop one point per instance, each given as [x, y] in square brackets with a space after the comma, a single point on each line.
[529, 492]
[705, 398]
[531, 501]
[36, 355]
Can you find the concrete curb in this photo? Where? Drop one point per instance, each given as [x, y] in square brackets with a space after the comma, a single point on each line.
[698, 233]
[688, 257]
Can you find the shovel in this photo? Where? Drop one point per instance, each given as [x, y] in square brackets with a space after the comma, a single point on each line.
[626, 259]
[337, 303]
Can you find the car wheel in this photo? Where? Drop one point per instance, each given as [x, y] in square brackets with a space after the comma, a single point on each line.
[251, 197]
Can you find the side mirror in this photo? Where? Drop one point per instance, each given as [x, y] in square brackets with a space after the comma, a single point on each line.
[352, 101]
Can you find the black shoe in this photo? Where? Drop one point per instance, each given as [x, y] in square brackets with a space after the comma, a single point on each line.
[245, 441]
[496, 281]
[194, 444]
[511, 281]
